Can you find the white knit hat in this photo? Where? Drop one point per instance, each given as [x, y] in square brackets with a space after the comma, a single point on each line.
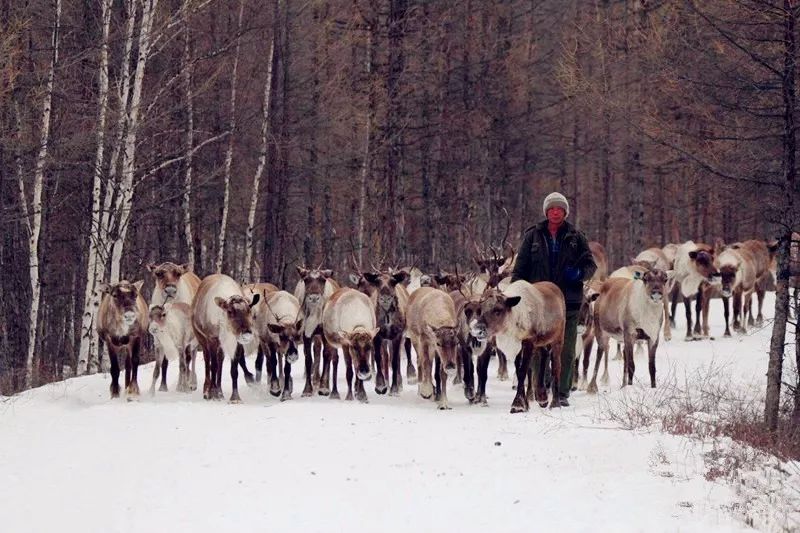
[555, 199]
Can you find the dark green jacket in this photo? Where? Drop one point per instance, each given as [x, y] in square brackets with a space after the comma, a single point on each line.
[533, 263]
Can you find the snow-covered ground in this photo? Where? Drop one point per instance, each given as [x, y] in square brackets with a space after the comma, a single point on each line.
[71, 459]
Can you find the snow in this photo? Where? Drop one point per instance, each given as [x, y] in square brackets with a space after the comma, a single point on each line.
[73, 460]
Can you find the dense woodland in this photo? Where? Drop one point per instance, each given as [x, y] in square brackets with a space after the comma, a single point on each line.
[250, 136]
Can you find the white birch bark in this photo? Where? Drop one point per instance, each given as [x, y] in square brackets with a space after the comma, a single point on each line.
[262, 162]
[186, 74]
[35, 211]
[125, 193]
[96, 264]
[229, 153]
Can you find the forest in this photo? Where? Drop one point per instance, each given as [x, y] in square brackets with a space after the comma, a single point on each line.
[252, 136]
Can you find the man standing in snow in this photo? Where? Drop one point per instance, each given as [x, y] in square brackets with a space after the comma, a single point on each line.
[555, 251]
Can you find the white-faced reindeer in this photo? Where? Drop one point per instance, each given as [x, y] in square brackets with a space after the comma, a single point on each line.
[628, 310]
[694, 265]
[529, 317]
[389, 297]
[175, 284]
[737, 269]
[432, 328]
[171, 328]
[121, 324]
[224, 327]
[279, 323]
[263, 289]
[313, 290]
[348, 322]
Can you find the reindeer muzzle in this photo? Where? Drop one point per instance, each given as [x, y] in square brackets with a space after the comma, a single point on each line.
[581, 329]
[715, 279]
[656, 297]
[171, 290]
[364, 373]
[245, 338]
[313, 299]
[292, 355]
[129, 317]
[478, 331]
[726, 293]
[425, 281]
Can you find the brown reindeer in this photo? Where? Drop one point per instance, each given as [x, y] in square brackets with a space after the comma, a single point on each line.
[171, 328]
[279, 323]
[737, 268]
[390, 298]
[763, 254]
[693, 266]
[629, 310]
[313, 289]
[264, 290]
[348, 322]
[432, 328]
[224, 327]
[121, 324]
[527, 317]
[471, 349]
[175, 284]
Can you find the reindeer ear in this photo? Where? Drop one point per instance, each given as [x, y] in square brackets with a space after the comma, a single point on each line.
[184, 268]
[468, 313]
[151, 267]
[511, 301]
[255, 300]
[441, 279]
[103, 288]
[773, 246]
[326, 273]
[372, 277]
[354, 279]
[221, 303]
[594, 297]
[374, 332]
[275, 328]
[670, 274]
[400, 276]
[693, 254]
[299, 325]
[500, 261]
[345, 339]
[303, 272]
[138, 285]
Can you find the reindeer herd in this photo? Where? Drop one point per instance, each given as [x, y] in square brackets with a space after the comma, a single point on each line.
[455, 322]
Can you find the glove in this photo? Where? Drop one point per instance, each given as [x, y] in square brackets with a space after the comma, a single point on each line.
[573, 274]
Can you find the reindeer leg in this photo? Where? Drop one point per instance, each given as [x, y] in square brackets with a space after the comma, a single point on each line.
[208, 356]
[308, 390]
[726, 305]
[442, 403]
[540, 361]
[319, 350]
[469, 372]
[260, 362]
[760, 318]
[248, 376]
[348, 361]
[652, 347]
[586, 347]
[502, 364]
[156, 372]
[164, 365]
[379, 359]
[239, 355]
[397, 377]
[737, 310]
[112, 356]
[688, 306]
[272, 371]
[437, 376]
[668, 323]
[411, 372]
[334, 379]
[483, 371]
[193, 372]
[601, 347]
[522, 363]
[698, 308]
[459, 379]
[218, 385]
[288, 383]
[127, 351]
[618, 356]
[325, 379]
[133, 353]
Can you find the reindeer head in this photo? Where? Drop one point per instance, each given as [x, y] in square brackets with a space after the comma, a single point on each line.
[703, 261]
[727, 275]
[167, 276]
[585, 314]
[446, 344]
[240, 319]
[494, 310]
[359, 342]
[381, 287]
[450, 281]
[124, 295]
[288, 335]
[314, 280]
[158, 318]
[655, 282]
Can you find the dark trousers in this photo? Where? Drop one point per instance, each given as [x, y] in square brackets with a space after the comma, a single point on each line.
[567, 354]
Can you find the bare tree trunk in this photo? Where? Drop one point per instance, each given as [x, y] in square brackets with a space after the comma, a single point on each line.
[124, 202]
[33, 215]
[96, 265]
[229, 153]
[778, 340]
[186, 74]
[366, 163]
[262, 158]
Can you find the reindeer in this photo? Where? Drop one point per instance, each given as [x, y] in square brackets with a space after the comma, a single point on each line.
[313, 289]
[121, 324]
[737, 268]
[527, 317]
[348, 322]
[264, 290]
[432, 328]
[223, 325]
[279, 323]
[171, 328]
[628, 310]
[175, 284]
[763, 254]
[471, 349]
[693, 266]
[390, 298]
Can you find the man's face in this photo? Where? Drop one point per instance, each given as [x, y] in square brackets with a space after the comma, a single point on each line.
[556, 215]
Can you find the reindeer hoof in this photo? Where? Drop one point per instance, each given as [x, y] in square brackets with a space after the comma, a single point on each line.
[444, 407]
[555, 402]
[349, 397]
[324, 391]
[334, 396]
[235, 400]
[306, 394]
[163, 388]
[381, 390]
[286, 396]
[591, 389]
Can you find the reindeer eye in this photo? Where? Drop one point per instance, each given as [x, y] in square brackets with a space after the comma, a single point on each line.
[159, 274]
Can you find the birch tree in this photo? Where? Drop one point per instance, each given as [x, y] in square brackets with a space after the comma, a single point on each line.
[229, 151]
[33, 214]
[263, 152]
[186, 75]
